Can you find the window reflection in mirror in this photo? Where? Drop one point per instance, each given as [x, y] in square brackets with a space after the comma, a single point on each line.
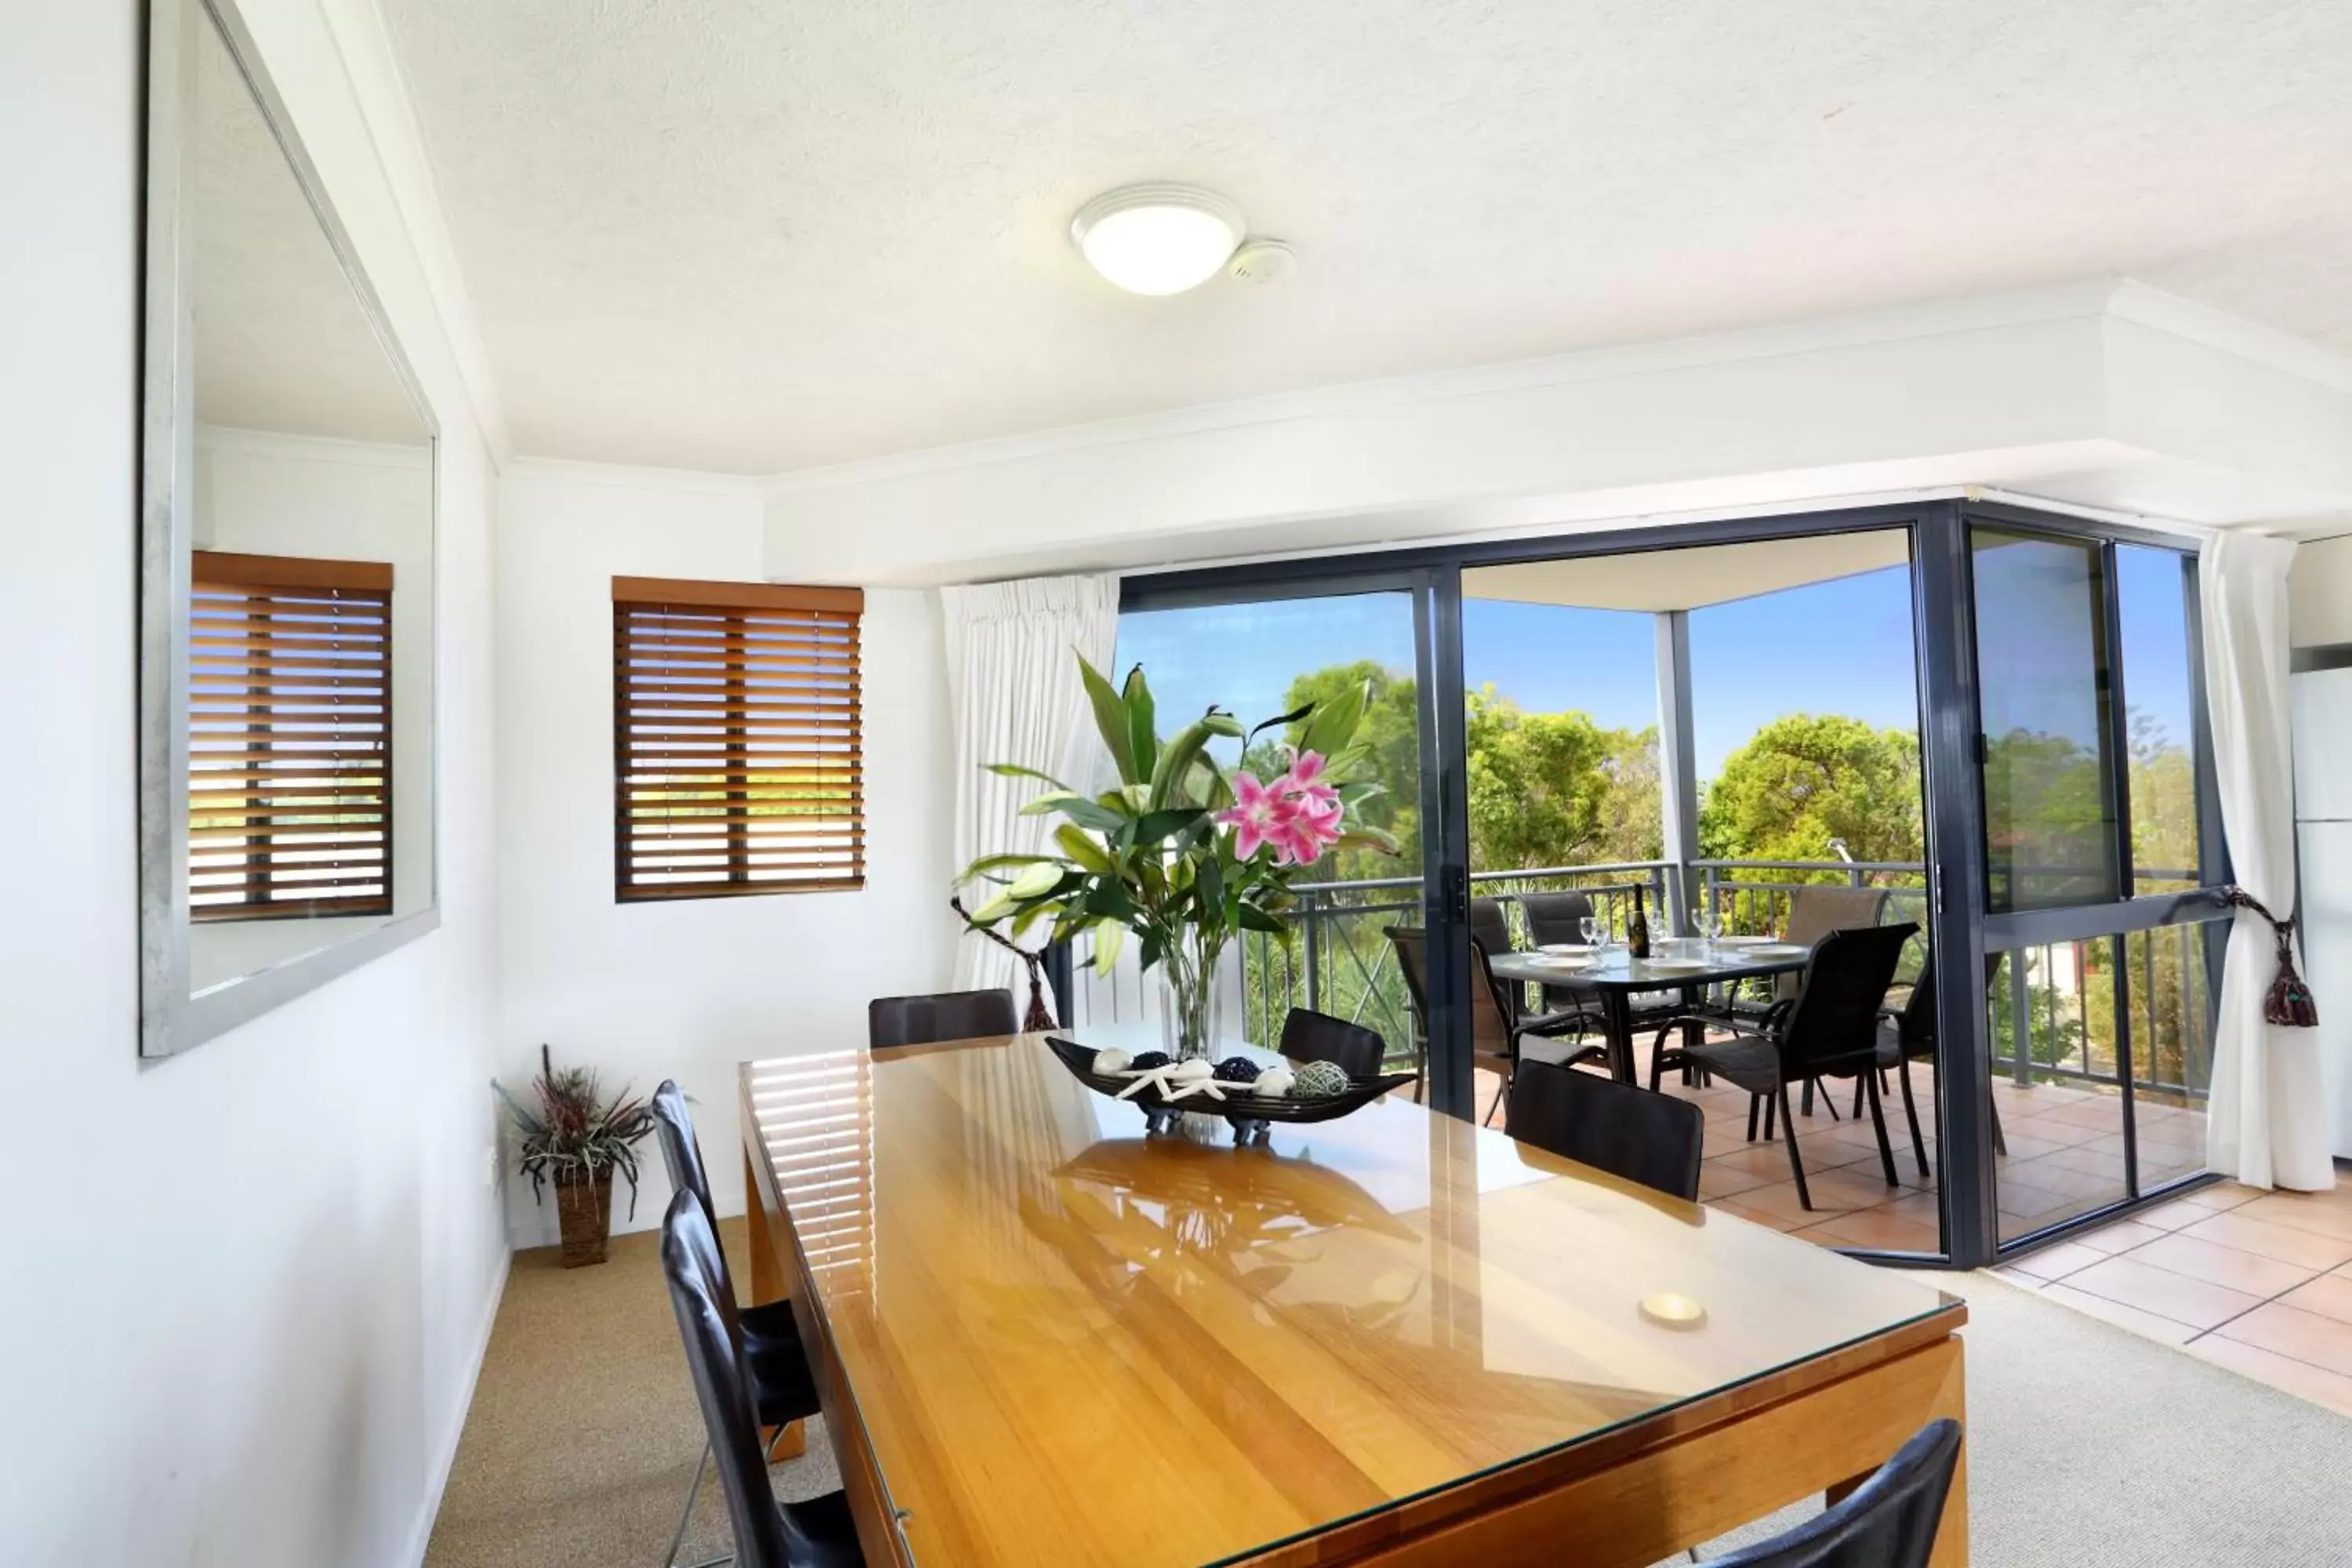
[310, 513]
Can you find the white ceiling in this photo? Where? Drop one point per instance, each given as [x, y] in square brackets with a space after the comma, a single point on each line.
[758, 237]
[1688, 578]
[281, 342]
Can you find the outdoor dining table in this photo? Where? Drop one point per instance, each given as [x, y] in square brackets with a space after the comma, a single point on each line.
[1615, 977]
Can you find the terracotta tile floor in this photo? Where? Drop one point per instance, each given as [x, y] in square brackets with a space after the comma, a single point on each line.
[2260, 1282]
[2065, 1157]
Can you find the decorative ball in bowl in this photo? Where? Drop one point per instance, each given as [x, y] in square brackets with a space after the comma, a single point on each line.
[1292, 1092]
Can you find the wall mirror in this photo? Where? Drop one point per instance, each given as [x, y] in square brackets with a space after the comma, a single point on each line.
[287, 578]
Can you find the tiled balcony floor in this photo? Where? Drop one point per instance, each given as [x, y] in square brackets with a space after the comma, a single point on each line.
[2260, 1282]
[2065, 1157]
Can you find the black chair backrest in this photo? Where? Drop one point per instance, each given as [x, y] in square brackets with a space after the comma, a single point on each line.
[1311, 1037]
[1556, 917]
[1916, 1025]
[1888, 1521]
[1833, 1026]
[674, 1130]
[1489, 924]
[1412, 944]
[706, 1322]
[1653, 1139]
[949, 1015]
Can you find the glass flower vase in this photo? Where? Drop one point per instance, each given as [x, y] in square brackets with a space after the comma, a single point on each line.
[1190, 1007]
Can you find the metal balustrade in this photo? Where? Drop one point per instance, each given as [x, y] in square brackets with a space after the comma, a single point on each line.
[1338, 961]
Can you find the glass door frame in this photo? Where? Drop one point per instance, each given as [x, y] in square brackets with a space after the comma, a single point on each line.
[2127, 913]
[1435, 591]
[1943, 629]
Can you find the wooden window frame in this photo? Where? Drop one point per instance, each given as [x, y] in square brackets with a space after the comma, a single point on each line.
[825, 714]
[342, 582]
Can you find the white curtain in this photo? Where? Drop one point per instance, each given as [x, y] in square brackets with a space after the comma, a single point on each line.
[1015, 696]
[2266, 1123]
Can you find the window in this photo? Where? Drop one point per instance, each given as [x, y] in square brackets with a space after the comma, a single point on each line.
[289, 720]
[736, 740]
[2042, 663]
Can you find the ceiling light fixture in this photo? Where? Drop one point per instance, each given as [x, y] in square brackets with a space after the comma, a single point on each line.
[1158, 238]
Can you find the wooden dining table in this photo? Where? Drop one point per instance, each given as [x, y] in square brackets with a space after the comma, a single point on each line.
[1685, 966]
[1043, 1337]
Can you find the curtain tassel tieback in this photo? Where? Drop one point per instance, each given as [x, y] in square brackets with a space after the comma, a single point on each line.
[2288, 1001]
[1039, 1016]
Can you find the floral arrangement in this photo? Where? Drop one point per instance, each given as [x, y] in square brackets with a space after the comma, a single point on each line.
[1179, 854]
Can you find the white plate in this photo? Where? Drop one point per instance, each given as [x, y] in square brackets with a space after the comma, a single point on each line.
[1566, 950]
[1671, 965]
[1567, 962]
[1745, 941]
[1778, 949]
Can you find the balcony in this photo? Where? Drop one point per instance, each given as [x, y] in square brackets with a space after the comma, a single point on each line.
[2069, 1128]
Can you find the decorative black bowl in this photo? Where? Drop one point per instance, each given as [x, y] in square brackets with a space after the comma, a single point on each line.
[1252, 1115]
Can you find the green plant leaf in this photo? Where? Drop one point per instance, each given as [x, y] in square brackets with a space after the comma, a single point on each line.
[1334, 722]
[1176, 759]
[1109, 937]
[1153, 826]
[987, 863]
[1079, 809]
[1015, 770]
[1282, 720]
[1083, 849]
[1112, 720]
[1255, 918]
[1036, 881]
[995, 910]
[1143, 737]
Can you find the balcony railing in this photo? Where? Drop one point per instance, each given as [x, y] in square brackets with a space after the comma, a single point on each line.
[1338, 961]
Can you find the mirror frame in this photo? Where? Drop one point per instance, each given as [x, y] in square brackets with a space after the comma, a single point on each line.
[171, 1020]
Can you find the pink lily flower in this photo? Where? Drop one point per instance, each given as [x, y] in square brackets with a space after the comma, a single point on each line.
[1255, 816]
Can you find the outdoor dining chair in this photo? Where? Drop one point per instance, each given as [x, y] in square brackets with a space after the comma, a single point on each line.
[1829, 1031]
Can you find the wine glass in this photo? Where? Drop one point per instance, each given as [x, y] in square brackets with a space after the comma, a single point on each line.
[1595, 930]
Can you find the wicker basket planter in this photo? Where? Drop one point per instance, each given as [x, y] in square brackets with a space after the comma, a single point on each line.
[583, 1207]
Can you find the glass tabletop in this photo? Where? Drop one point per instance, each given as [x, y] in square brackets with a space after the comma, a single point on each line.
[1672, 962]
[1069, 1342]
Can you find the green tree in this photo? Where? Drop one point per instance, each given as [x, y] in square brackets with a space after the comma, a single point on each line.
[1556, 789]
[1805, 779]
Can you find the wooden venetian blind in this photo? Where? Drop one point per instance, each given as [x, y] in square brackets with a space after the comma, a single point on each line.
[289, 721]
[736, 740]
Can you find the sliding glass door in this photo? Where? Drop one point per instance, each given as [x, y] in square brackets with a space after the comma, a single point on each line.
[2099, 936]
[1260, 650]
[1984, 722]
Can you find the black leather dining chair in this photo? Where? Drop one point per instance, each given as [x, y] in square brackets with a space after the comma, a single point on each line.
[819, 1534]
[783, 1388]
[894, 1021]
[1829, 1031]
[1888, 1521]
[1626, 1130]
[1311, 1037]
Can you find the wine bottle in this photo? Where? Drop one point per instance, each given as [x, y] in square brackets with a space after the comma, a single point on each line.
[1637, 929]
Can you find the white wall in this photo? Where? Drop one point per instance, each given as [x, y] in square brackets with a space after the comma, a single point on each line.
[2319, 589]
[686, 989]
[245, 1290]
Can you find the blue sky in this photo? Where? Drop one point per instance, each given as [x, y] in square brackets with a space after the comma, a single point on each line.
[1840, 647]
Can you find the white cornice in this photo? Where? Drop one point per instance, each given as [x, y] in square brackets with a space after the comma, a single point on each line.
[312, 448]
[689, 481]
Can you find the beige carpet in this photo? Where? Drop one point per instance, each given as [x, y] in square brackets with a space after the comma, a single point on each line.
[2088, 1445]
[583, 1433]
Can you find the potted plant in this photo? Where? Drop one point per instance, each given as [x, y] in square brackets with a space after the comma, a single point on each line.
[576, 1138]
[1182, 854]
